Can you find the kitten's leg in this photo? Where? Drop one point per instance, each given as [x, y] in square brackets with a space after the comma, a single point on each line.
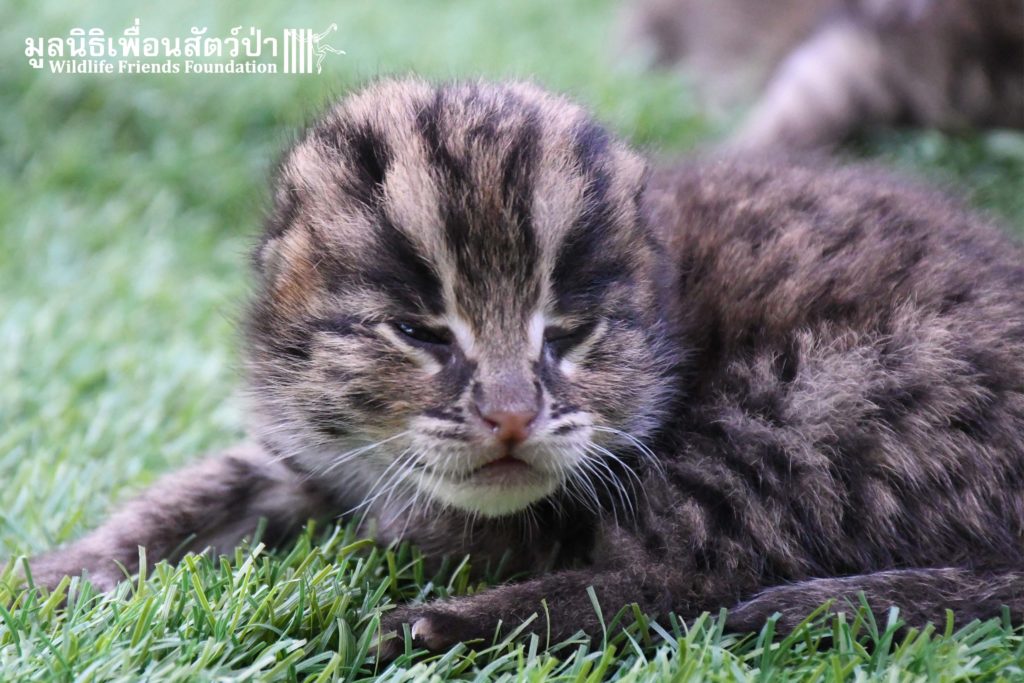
[922, 595]
[211, 504]
[559, 604]
[833, 83]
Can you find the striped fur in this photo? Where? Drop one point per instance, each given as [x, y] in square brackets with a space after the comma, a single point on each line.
[759, 386]
[493, 214]
[824, 69]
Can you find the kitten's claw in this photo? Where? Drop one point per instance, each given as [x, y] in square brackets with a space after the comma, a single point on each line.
[431, 629]
[423, 631]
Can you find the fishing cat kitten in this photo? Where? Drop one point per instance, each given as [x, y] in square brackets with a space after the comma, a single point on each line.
[481, 319]
[827, 68]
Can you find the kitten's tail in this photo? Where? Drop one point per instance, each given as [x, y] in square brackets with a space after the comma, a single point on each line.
[832, 84]
[922, 596]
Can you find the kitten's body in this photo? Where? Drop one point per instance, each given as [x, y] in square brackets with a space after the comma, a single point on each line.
[827, 68]
[827, 364]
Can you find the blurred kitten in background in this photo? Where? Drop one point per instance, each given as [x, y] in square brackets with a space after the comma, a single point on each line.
[817, 71]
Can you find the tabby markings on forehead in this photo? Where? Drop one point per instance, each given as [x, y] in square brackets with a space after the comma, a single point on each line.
[463, 333]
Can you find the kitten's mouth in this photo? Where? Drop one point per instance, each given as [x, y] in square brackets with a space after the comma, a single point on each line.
[504, 470]
[502, 486]
[507, 470]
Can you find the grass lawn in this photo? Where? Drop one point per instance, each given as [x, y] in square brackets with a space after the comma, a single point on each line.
[127, 204]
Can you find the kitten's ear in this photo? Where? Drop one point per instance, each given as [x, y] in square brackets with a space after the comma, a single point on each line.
[633, 171]
[283, 254]
[642, 174]
[281, 220]
[286, 266]
[266, 258]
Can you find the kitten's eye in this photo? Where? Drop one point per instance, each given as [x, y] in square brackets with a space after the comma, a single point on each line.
[561, 340]
[423, 335]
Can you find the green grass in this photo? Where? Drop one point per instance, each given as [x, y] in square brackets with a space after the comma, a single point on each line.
[127, 205]
[311, 613]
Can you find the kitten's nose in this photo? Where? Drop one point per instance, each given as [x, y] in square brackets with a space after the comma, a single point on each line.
[508, 405]
[509, 426]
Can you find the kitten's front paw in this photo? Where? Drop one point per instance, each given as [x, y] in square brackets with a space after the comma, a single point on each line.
[433, 628]
[50, 569]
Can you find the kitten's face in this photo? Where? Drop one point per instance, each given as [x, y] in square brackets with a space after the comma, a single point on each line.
[457, 300]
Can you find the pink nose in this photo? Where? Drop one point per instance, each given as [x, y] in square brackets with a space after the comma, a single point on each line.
[509, 427]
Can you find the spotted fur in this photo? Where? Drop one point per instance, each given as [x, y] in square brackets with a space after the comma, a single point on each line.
[755, 385]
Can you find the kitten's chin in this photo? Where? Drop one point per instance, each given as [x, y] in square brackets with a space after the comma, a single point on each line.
[494, 491]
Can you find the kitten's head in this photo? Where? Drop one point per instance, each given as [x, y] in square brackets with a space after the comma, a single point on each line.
[458, 296]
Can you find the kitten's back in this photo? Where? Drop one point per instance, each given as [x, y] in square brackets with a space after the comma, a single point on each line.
[869, 330]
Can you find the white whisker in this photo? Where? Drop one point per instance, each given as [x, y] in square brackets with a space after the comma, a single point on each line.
[345, 457]
[612, 484]
[645, 452]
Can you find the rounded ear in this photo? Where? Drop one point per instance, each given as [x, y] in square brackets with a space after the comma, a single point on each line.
[282, 217]
[286, 267]
[266, 258]
[635, 168]
[632, 173]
